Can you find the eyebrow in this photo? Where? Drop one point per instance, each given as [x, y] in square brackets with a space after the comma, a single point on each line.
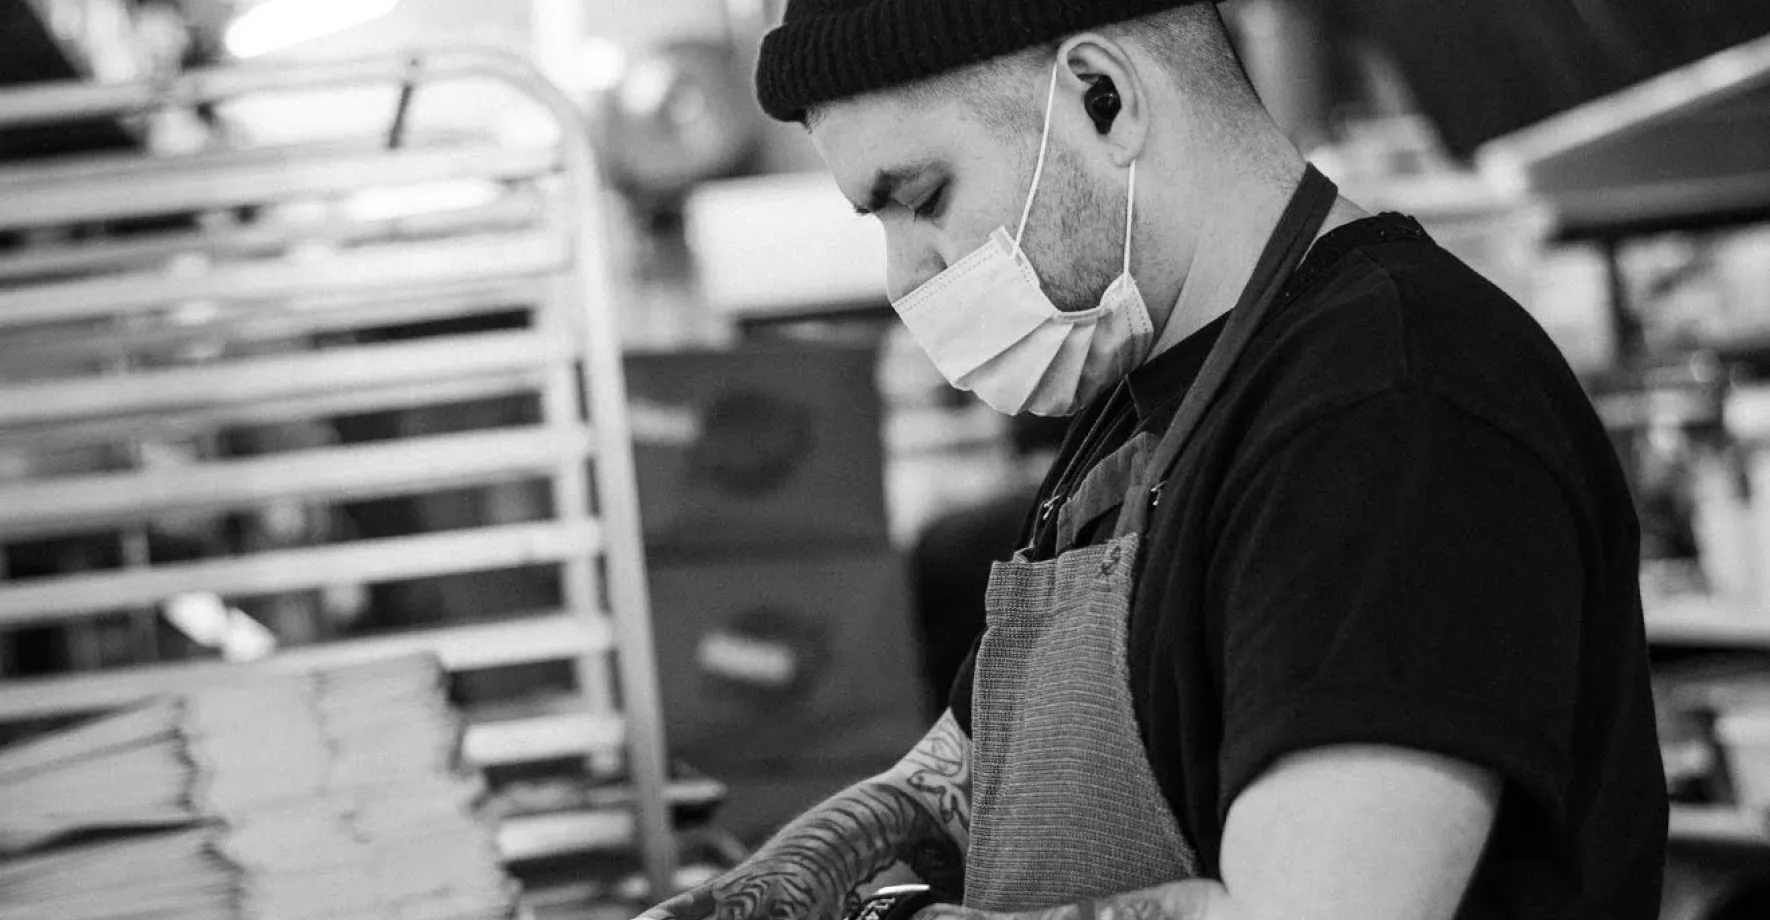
[886, 182]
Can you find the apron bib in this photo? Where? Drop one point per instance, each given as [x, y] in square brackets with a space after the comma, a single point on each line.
[1064, 805]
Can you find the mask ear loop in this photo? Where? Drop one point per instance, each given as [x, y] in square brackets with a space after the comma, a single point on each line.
[1039, 167]
[1130, 208]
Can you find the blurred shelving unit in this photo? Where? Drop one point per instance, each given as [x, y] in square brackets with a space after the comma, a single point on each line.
[1688, 150]
[258, 301]
[1717, 825]
[1702, 622]
[1678, 151]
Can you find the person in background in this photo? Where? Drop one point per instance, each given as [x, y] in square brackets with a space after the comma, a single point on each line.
[950, 563]
[1330, 605]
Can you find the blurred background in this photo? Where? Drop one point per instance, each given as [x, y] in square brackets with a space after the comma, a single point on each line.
[438, 420]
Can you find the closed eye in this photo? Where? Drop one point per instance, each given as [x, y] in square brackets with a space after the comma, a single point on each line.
[929, 209]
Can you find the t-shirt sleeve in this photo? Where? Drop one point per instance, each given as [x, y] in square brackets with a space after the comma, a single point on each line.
[959, 700]
[1399, 573]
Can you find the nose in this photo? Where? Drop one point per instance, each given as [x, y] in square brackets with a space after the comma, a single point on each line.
[909, 263]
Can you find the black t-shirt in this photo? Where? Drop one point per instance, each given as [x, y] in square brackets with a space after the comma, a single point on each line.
[1399, 523]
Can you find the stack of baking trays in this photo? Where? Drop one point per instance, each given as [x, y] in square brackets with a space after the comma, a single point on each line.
[299, 408]
[337, 794]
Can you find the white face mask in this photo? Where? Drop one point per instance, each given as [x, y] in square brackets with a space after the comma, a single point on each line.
[990, 328]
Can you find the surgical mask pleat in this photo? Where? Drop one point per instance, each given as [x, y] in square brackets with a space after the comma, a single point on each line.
[1056, 391]
[1007, 382]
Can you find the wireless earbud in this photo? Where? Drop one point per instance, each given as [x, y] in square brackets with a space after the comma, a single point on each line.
[1102, 102]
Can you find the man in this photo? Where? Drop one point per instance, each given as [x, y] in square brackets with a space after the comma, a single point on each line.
[1329, 608]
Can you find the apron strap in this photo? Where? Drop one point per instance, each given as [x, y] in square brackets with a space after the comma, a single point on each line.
[1290, 241]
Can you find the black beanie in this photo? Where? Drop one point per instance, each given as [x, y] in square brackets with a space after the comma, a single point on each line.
[832, 49]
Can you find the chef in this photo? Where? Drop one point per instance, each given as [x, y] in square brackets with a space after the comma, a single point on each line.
[1328, 608]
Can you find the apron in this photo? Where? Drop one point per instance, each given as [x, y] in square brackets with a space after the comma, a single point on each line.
[1065, 807]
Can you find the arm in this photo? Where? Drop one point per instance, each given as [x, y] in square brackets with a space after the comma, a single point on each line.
[1342, 833]
[916, 814]
[1366, 832]
[1395, 582]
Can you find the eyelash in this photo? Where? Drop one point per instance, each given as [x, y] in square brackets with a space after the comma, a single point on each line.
[931, 204]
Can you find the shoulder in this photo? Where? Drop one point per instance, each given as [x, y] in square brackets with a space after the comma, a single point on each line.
[1400, 315]
[1395, 311]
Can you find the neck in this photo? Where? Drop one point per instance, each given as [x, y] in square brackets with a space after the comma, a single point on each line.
[1242, 206]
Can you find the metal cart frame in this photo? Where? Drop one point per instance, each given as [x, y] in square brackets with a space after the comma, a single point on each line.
[572, 353]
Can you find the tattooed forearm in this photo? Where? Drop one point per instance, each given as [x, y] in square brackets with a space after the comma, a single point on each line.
[914, 814]
[940, 769]
[863, 831]
[809, 871]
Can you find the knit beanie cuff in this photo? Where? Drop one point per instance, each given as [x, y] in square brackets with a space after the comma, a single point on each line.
[826, 50]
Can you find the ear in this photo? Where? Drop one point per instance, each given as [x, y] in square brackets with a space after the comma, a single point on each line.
[1089, 56]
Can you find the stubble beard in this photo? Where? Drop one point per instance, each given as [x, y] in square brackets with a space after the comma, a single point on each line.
[1075, 235]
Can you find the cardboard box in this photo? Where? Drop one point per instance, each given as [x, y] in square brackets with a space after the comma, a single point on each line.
[787, 664]
[765, 447]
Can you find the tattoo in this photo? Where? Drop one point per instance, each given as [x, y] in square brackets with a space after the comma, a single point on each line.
[1141, 907]
[863, 831]
[951, 912]
[812, 868]
[940, 768]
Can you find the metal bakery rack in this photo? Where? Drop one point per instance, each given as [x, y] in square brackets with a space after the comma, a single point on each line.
[157, 308]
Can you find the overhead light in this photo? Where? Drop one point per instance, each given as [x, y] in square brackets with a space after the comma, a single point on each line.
[273, 25]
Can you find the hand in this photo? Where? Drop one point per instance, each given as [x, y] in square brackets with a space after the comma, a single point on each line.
[764, 888]
[1198, 899]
